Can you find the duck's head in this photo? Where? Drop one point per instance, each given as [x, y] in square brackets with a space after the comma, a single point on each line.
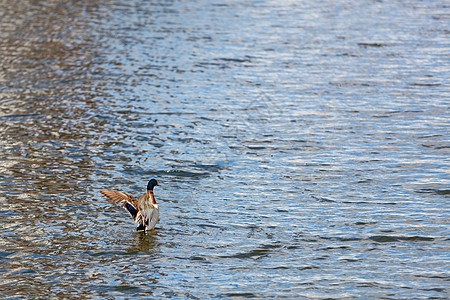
[151, 184]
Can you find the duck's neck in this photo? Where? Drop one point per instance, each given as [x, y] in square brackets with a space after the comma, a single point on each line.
[151, 196]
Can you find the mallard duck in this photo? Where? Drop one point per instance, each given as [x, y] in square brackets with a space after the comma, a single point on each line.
[144, 211]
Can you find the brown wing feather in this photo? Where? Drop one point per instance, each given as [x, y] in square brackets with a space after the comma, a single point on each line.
[117, 197]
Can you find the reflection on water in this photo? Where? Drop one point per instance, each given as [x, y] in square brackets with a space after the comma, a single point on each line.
[302, 148]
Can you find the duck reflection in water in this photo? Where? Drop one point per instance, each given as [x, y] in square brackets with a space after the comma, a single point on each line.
[144, 211]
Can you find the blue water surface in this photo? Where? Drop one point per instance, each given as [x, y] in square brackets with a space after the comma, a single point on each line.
[302, 149]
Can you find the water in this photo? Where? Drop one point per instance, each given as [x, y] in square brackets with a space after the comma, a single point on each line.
[302, 147]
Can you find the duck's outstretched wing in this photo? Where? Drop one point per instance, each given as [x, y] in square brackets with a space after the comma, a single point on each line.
[129, 202]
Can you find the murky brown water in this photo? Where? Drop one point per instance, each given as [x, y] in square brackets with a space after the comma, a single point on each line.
[302, 147]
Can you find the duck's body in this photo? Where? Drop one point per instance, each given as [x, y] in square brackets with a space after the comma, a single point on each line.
[144, 211]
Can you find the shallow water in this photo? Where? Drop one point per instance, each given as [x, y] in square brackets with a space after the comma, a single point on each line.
[302, 147]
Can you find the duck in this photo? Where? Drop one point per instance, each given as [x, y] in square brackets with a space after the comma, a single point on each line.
[144, 211]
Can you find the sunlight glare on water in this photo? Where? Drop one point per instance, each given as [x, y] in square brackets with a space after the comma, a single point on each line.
[302, 148]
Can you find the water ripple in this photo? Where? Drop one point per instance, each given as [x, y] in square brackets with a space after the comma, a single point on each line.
[301, 147]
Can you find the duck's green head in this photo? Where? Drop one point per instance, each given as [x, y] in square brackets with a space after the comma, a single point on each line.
[151, 184]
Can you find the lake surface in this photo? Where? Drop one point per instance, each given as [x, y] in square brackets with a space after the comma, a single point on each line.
[302, 148]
